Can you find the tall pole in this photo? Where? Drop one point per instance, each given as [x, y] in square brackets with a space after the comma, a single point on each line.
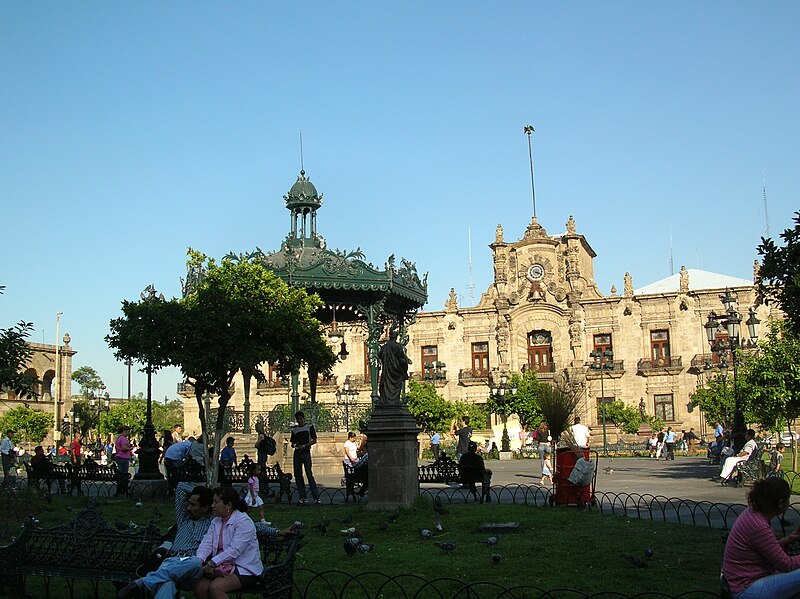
[603, 409]
[129, 363]
[57, 389]
[148, 447]
[528, 129]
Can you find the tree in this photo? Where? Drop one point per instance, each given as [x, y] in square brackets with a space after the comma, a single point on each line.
[623, 416]
[14, 355]
[430, 410]
[527, 406]
[27, 423]
[88, 379]
[715, 399]
[232, 316]
[779, 275]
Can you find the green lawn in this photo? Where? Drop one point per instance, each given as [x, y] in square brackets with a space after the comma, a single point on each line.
[555, 547]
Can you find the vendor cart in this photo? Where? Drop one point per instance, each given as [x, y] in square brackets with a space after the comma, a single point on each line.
[571, 485]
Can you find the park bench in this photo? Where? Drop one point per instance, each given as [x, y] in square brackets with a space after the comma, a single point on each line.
[75, 474]
[751, 470]
[352, 477]
[85, 548]
[278, 556]
[193, 472]
[447, 471]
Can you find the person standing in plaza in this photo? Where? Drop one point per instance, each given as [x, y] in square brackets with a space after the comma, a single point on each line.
[435, 441]
[227, 457]
[303, 437]
[76, 450]
[350, 450]
[8, 456]
[580, 433]
[177, 433]
[669, 444]
[122, 458]
[692, 439]
[464, 435]
[545, 440]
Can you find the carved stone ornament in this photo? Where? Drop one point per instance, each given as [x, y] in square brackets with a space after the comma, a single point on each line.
[535, 230]
[684, 280]
[627, 289]
[571, 225]
[498, 234]
[756, 270]
[452, 302]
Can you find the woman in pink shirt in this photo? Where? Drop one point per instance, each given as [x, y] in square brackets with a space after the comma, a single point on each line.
[229, 550]
[755, 563]
[122, 458]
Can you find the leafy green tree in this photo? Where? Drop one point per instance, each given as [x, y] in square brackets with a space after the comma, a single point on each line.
[715, 399]
[88, 379]
[233, 316]
[14, 355]
[779, 275]
[28, 424]
[478, 413]
[527, 408]
[430, 410]
[131, 413]
[622, 416]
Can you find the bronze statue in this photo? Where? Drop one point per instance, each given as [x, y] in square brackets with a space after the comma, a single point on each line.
[394, 369]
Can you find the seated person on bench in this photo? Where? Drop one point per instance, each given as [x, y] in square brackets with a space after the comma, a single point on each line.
[730, 463]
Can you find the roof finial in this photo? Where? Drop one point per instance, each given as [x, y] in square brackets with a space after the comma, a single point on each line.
[528, 130]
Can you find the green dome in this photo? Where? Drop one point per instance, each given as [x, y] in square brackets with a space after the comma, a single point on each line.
[303, 194]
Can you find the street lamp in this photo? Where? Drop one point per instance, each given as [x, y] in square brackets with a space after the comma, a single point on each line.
[99, 405]
[729, 323]
[501, 392]
[603, 360]
[345, 397]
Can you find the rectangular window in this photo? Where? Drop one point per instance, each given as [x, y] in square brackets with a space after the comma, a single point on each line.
[664, 408]
[480, 358]
[430, 356]
[659, 346]
[274, 377]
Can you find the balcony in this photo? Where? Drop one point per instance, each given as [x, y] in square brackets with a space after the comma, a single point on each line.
[278, 385]
[188, 389]
[322, 383]
[359, 381]
[435, 376]
[469, 377]
[659, 366]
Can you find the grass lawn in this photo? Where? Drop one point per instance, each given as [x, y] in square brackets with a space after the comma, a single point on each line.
[555, 547]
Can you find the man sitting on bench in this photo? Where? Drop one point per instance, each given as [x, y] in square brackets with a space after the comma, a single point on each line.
[731, 462]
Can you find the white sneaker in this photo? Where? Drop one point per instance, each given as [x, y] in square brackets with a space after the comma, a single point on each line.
[302, 501]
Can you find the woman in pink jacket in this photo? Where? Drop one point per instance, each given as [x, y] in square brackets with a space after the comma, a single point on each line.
[229, 550]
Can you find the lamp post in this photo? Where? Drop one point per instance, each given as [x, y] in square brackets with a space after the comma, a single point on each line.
[603, 360]
[729, 323]
[100, 404]
[501, 392]
[346, 397]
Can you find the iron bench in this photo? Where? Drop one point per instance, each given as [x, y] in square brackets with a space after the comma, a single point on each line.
[448, 471]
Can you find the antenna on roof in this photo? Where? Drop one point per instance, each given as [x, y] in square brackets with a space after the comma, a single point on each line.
[528, 130]
[766, 212]
[671, 263]
[471, 283]
[302, 164]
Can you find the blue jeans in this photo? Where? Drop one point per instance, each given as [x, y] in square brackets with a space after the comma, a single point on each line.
[302, 461]
[123, 465]
[777, 586]
[174, 573]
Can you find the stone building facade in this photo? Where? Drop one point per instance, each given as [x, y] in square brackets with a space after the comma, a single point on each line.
[544, 311]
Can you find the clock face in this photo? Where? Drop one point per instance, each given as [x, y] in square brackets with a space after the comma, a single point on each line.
[536, 272]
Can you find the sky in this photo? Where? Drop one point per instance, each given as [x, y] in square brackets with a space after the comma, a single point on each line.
[133, 131]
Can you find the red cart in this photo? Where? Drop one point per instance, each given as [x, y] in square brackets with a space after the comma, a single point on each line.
[564, 491]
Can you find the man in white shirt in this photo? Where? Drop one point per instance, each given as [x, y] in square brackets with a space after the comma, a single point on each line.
[581, 434]
[9, 457]
[730, 463]
[350, 450]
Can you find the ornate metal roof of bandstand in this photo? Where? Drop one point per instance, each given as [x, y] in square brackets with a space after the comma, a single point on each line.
[341, 278]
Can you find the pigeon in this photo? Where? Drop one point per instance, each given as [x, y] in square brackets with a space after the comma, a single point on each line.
[425, 533]
[298, 525]
[353, 540]
[437, 524]
[496, 558]
[383, 526]
[395, 515]
[635, 561]
[132, 525]
[139, 504]
[322, 527]
[649, 553]
[348, 531]
[490, 541]
[350, 549]
[438, 507]
[609, 470]
[447, 547]
[365, 547]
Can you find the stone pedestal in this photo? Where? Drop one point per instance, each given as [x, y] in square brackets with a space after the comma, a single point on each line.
[506, 455]
[393, 450]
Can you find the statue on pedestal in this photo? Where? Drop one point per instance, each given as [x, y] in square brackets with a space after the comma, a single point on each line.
[394, 369]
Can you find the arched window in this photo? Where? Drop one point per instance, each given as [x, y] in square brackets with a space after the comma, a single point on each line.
[540, 351]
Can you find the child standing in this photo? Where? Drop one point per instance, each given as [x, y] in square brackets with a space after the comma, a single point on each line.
[776, 461]
[547, 470]
[253, 499]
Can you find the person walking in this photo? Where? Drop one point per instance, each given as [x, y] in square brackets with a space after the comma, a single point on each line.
[122, 458]
[692, 439]
[304, 435]
[545, 439]
[669, 444]
[435, 441]
[464, 435]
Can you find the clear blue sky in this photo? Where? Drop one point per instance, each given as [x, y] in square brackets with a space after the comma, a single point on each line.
[131, 131]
